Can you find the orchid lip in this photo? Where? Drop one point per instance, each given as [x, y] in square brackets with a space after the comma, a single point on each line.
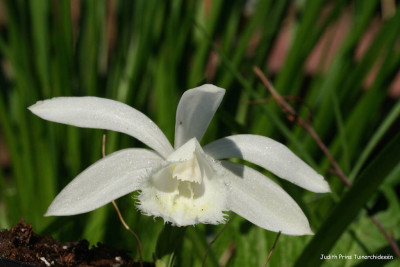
[186, 191]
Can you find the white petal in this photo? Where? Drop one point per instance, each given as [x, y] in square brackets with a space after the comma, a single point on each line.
[195, 111]
[102, 113]
[116, 175]
[270, 155]
[262, 202]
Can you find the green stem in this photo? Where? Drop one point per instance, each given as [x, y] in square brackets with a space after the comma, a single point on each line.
[169, 244]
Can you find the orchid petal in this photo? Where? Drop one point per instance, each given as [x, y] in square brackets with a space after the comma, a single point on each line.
[270, 155]
[195, 111]
[118, 174]
[101, 113]
[259, 200]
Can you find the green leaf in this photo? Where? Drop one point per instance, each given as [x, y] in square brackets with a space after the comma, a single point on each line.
[169, 245]
[350, 205]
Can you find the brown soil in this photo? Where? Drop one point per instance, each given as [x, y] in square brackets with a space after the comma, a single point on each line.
[22, 244]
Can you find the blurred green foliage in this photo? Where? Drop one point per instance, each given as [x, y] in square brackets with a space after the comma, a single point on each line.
[146, 53]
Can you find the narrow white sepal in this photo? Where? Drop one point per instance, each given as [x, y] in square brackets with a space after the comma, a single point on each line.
[195, 111]
[116, 175]
[270, 155]
[101, 113]
[262, 202]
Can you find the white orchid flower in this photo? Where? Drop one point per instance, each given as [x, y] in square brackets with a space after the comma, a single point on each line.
[187, 184]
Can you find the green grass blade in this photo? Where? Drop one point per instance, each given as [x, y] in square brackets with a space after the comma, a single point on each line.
[373, 142]
[351, 204]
